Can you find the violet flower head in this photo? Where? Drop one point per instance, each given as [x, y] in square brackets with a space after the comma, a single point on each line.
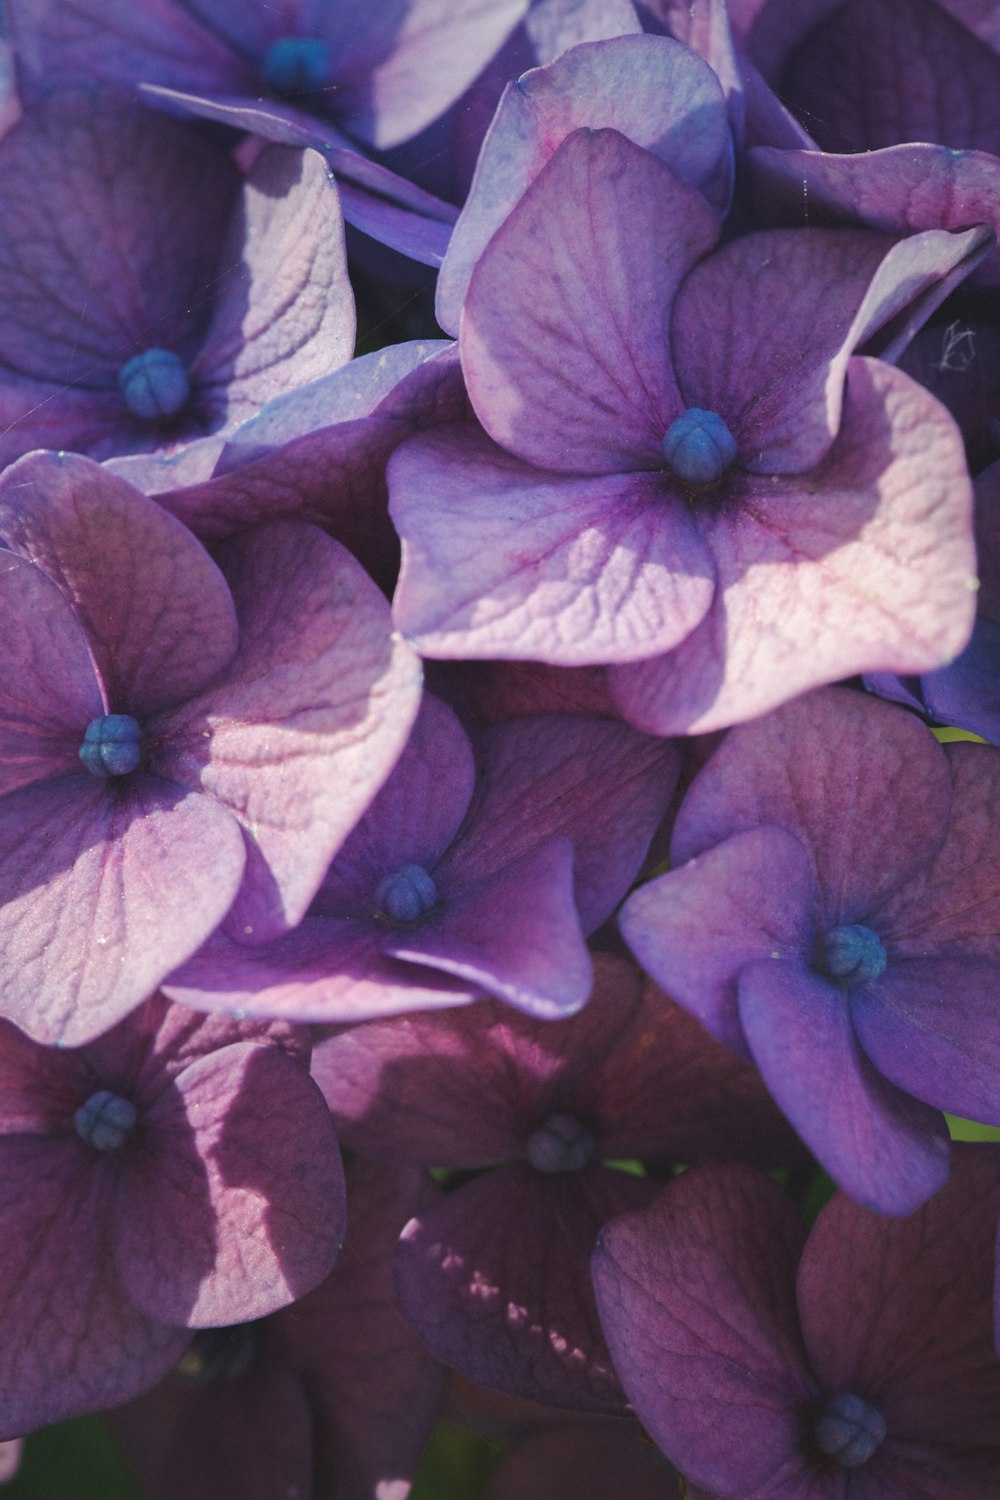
[156, 709]
[461, 880]
[235, 291]
[857, 1362]
[721, 565]
[494, 1277]
[141, 1199]
[833, 912]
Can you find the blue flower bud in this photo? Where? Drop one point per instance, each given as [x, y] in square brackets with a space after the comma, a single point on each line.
[849, 1430]
[699, 446]
[105, 1120]
[406, 896]
[561, 1145]
[296, 65]
[155, 385]
[112, 745]
[853, 953]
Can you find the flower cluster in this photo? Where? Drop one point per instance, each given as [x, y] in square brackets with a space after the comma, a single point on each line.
[500, 744]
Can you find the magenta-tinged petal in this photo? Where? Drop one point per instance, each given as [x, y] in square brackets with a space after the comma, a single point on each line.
[693, 929]
[503, 560]
[49, 692]
[307, 723]
[898, 189]
[862, 565]
[885, 1149]
[650, 89]
[585, 1460]
[867, 835]
[223, 1218]
[779, 383]
[696, 1301]
[103, 896]
[590, 780]
[286, 316]
[572, 372]
[515, 933]
[153, 605]
[903, 1309]
[71, 1343]
[495, 1281]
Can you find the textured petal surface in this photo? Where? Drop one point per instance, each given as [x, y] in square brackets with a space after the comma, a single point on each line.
[153, 606]
[884, 1312]
[103, 896]
[220, 1220]
[503, 560]
[879, 1145]
[307, 723]
[495, 1280]
[573, 373]
[286, 313]
[862, 565]
[648, 88]
[696, 1297]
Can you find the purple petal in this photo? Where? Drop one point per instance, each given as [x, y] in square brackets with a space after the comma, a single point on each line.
[884, 1310]
[867, 836]
[286, 316]
[966, 692]
[696, 1300]
[48, 690]
[72, 1343]
[863, 565]
[221, 1220]
[502, 560]
[155, 609]
[514, 933]
[495, 1281]
[572, 373]
[694, 929]
[102, 897]
[879, 1145]
[307, 723]
[649, 89]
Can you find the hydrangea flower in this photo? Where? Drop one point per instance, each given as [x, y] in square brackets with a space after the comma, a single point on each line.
[461, 880]
[833, 912]
[172, 736]
[816, 523]
[494, 1277]
[855, 1363]
[141, 1198]
[233, 291]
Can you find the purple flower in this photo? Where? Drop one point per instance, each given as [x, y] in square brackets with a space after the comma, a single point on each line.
[231, 294]
[855, 1364]
[833, 911]
[494, 1277]
[574, 537]
[457, 884]
[331, 1399]
[142, 1197]
[174, 736]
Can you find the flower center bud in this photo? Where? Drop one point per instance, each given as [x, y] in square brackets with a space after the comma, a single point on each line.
[112, 745]
[219, 1354]
[105, 1120]
[296, 65]
[406, 896]
[155, 385]
[853, 953]
[561, 1145]
[699, 446]
[849, 1430]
